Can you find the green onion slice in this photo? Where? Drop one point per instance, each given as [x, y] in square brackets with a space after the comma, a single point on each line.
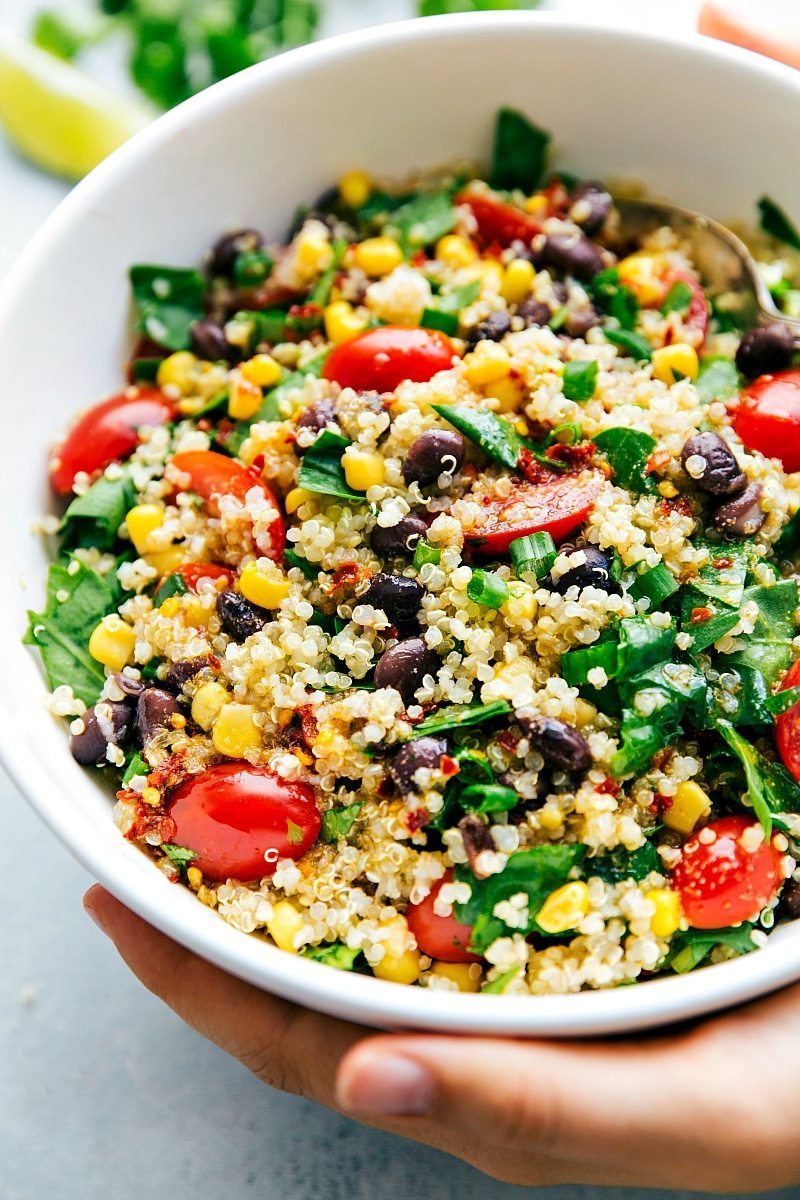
[533, 554]
[488, 589]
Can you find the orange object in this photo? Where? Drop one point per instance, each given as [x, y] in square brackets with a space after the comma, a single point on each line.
[752, 31]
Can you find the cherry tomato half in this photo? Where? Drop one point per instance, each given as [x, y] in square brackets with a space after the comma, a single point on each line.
[787, 726]
[213, 475]
[724, 881]
[381, 359]
[499, 224]
[556, 506]
[767, 418]
[241, 819]
[106, 433]
[444, 938]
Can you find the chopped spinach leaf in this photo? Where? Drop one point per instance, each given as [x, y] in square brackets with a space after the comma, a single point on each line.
[634, 345]
[777, 224]
[692, 946]
[293, 559]
[136, 766]
[678, 298]
[615, 298]
[495, 436]
[332, 954]
[275, 399]
[168, 301]
[322, 472]
[458, 716]
[422, 220]
[768, 648]
[789, 541]
[717, 379]
[181, 856]
[94, 518]
[519, 155]
[580, 379]
[614, 866]
[488, 798]
[771, 788]
[627, 451]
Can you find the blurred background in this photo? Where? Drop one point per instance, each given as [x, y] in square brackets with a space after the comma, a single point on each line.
[102, 1091]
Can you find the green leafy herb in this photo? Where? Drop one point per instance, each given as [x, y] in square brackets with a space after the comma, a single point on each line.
[251, 268]
[145, 370]
[275, 400]
[627, 451]
[770, 786]
[520, 151]
[653, 705]
[723, 577]
[293, 559]
[704, 620]
[136, 766]
[743, 700]
[658, 584]
[94, 518]
[635, 345]
[77, 600]
[580, 379]
[173, 585]
[717, 378]
[488, 798]
[782, 701]
[332, 954]
[494, 435]
[65, 33]
[322, 472]
[168, 301]
[459, 716]
[294, 833]
[768, 648]
[615, 298]
[181, 856]
[473, 771]
[422, 220]
[689, 948]
[678, 298]
[536, 872]
[614, 866]
[777, 224]
[789, 541]
[497, 986]
[337, 822]
[487, 588]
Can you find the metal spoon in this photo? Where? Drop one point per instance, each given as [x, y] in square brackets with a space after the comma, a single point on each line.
[723, 261]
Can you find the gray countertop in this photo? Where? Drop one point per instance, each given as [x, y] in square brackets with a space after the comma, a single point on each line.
[102, 1090]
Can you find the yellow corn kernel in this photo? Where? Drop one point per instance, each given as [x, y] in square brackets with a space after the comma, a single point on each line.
[509, 393]
[399, 968]
[378, 255]
[207, 704]
[342, 322]
[141, 521]
[235, 731]
[355, 188]
[521, 603]
[488, 363]
[667, 489]
[517, 280]
[667, 918]
[177, 371]
[466, 976]
[195, 612]
[295, 498]
[244, 398]
[679, 361]
[262, 370]
[112, 643]
[265, 590]
[642, 273]
[689, 805]
[363, 469]
[165, 561]
[313, 252]
[456, 251]
[536, 205]
[564, 908]
[170, 607]
[550, 818]
[284, 925]
[585, 713]
[151, 796]
[194, 877]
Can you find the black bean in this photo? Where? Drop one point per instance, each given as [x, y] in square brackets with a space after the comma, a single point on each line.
[765, 349]
[397, 541]
[398, 597]
[422, 752]
[533, 313]
[404, 666]
[179, 673]
[493, 329]
[317, 416]
[434, 452]
[557, 742]
[595, 571]
[240, 619]
[154, 712]
[579, 323]
[209, 342]
[743, 516]
[790, 899]
[225, 251]
[477, 838]
[594, 204]
[574, 255]
[109, 722]
[718, 471]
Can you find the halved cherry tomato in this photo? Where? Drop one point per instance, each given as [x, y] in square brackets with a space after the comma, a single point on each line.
[192, 573]
[107, 433]
[698, 313]
[381, 359]
[556, 506]
[787, 726]
[444, 938]
[722, 881]
[241, 819]
[767, 418]
[213, 475]
[499, 224]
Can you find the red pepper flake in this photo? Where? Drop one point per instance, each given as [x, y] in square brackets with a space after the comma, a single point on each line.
[531, 468]
[148, 821]
[448, 766]
[204, 424]
[679, 505]
[661, 804]
[657, 461]
[257, 465]
[608, 787]
[418, 259]
[575, 456]
[699, 615]
[348, 575]
[415, 819]
[508, 740]
[661, 758]
[308, 724]
[722, 564]
[214, 662]
[169, 775]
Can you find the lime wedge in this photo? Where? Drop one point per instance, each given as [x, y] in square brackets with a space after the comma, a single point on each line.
[55, 115]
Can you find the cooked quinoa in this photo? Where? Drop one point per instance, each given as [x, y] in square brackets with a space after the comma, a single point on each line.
[428, 593]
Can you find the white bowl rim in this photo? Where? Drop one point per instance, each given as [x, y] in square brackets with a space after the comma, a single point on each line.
[361, 999]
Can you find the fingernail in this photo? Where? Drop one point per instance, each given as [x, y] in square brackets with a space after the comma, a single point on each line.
[386, 1085]
[95, 916]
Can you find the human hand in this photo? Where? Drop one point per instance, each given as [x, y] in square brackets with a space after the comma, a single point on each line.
[710, 1107]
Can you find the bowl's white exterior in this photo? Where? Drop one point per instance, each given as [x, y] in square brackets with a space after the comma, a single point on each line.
[708, 126]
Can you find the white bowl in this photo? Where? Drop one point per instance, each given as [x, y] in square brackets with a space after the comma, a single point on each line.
[709, 126]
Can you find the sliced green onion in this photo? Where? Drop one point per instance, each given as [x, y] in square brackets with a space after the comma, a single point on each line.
[533, 554]
[657, 585]
[488, 798]
[568, 434]
[488, 589]
[445, 322]
[576, 664]
[558, 318]
[634, 345]
[424, 552]
[580, 380]
[781, 702]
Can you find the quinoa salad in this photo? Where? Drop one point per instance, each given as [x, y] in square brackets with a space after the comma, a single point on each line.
[427, 595]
